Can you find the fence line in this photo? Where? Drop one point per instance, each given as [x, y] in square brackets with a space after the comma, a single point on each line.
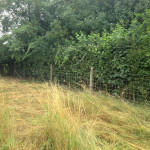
[136, 89]
[131, 87]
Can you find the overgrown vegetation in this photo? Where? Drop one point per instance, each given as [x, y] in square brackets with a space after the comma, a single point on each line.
[111, 35]
[38, 116]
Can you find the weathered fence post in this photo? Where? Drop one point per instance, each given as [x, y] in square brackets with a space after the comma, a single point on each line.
[51, 73]
[91, 80]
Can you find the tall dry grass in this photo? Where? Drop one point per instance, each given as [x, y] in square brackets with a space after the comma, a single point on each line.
[36, 116]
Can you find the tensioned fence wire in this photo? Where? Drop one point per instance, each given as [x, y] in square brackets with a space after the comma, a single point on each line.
[131, 87]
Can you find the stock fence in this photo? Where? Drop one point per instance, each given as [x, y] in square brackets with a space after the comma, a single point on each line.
[130, 87]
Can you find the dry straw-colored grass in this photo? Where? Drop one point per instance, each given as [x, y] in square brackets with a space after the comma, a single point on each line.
[36, 116]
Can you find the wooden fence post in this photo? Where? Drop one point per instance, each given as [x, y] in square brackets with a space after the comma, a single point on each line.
[91, 80]
[51, 73]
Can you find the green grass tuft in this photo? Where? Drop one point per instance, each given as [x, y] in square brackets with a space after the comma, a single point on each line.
[35, 116]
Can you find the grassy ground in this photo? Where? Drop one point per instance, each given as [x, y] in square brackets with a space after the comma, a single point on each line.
[36, 116]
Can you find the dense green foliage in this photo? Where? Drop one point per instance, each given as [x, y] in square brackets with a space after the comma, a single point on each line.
[73, 35]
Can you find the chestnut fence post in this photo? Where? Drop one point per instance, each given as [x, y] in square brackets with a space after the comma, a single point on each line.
[91, 80]
[51, 73]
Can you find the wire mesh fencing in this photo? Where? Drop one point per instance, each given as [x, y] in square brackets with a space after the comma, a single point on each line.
[130, 87]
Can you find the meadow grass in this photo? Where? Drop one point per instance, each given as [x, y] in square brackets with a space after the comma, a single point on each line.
[35, 116]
